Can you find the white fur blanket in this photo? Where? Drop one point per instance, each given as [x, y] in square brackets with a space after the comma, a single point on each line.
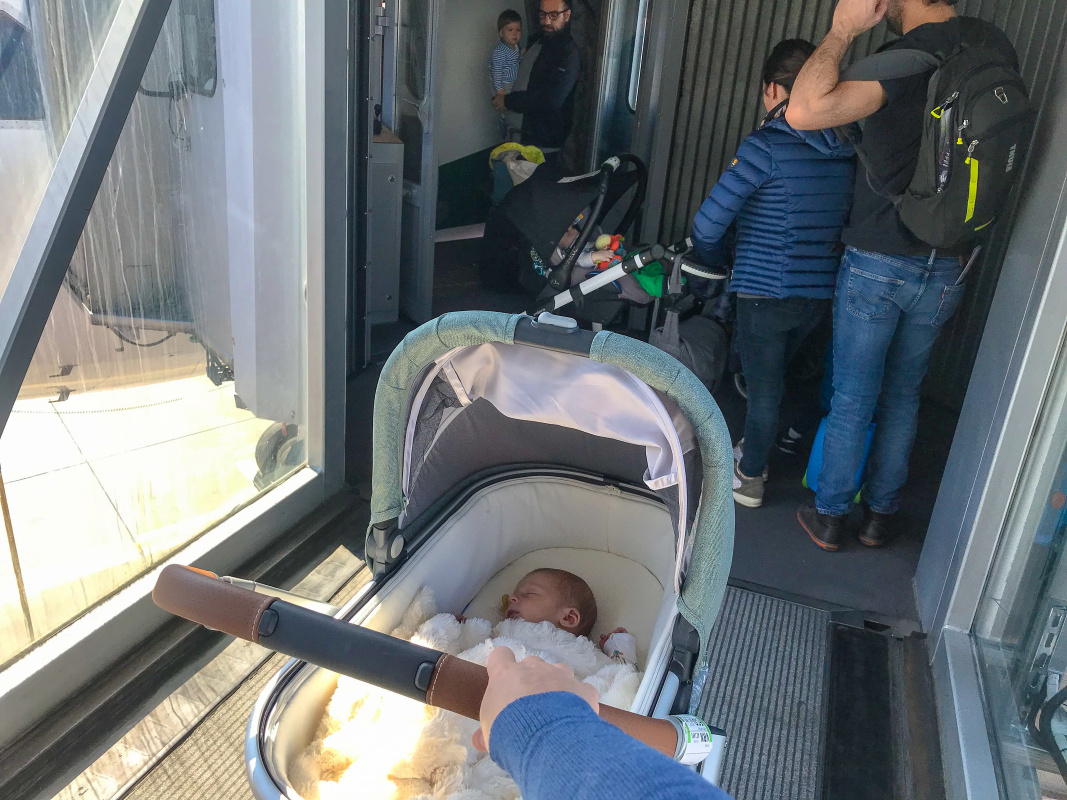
[375, 744]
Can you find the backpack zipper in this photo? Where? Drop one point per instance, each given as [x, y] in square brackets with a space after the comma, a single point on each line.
[972, 189]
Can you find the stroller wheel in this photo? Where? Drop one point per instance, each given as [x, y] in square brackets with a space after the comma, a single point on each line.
[740, 385]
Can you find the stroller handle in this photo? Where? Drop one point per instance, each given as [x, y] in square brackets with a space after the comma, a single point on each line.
[422, 674]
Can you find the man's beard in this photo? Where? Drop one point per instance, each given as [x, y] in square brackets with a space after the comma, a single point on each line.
[894, 17]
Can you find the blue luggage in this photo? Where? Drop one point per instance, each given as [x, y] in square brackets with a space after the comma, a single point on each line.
[811, 475]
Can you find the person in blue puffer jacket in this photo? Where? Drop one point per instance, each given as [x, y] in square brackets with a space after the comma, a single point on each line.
[789, 192]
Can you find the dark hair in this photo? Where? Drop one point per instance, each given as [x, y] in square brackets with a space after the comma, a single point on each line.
[576, 593]
[506, 18]
[785, 62]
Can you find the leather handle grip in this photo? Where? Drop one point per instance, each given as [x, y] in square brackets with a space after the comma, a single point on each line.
[200, 596]
[458, 686]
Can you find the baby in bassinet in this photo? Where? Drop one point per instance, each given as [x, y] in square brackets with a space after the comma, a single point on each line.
[565, 600]
[373, 744]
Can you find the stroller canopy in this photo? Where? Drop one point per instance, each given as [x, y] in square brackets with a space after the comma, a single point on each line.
[460, 396]
[544, 205]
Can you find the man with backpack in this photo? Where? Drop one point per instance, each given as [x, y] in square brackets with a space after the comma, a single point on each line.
[947, 126]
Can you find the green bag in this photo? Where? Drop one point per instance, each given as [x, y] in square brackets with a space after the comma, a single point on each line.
[650, 277]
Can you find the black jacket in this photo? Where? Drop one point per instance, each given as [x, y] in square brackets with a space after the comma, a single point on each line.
[547, 103]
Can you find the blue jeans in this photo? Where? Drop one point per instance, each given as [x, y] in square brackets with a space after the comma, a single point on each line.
[769, 333]
[888, 312]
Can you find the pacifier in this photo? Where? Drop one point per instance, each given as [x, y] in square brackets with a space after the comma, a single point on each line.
[505, 601]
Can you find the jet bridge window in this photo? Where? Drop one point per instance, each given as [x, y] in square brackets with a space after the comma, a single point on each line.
[20, 85]
[1021, 625]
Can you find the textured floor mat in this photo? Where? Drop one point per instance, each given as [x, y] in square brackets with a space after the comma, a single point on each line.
[767, 689]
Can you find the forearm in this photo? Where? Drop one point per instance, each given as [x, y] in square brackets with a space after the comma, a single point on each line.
[707, 238]
[819, 77]
[554, 746]
[516, 101]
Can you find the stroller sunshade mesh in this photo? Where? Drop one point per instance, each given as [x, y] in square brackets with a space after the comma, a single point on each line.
[544, 205]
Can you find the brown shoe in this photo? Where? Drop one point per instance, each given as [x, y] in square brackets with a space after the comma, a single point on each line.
[824, 529]
[877, 528]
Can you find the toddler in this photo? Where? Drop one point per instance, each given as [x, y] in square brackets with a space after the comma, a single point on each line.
[505, 58]
[565, 600]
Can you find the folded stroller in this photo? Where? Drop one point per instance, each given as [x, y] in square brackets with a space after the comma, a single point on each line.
[502, 444]
[521, 253]
[521, 246]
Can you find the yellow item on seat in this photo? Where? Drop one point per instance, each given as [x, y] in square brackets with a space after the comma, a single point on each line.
[529, 152]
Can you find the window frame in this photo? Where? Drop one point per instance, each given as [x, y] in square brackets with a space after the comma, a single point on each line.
[79, 655]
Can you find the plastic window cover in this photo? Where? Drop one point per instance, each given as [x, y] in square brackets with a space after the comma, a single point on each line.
[561, 389]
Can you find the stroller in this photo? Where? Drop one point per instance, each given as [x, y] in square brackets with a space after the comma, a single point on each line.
[521, 253]
[521, 247]
[504, 444]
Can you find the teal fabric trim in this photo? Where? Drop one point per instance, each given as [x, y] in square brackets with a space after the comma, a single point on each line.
[712, 535]
[397, 387]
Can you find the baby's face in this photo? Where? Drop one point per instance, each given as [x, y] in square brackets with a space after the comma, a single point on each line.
[537, 599]
[511, 33]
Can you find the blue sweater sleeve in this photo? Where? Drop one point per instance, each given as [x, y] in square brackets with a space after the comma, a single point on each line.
[554, 746]
[750, 169]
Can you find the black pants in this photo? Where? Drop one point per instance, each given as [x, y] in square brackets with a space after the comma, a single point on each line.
[770, 331]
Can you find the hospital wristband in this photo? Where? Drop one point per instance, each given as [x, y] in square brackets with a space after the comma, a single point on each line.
[694, 739]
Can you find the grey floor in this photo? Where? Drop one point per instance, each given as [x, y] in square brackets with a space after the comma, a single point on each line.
[456, 283]
[771, 549]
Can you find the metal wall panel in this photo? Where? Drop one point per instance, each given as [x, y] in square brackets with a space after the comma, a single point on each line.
[719, 104]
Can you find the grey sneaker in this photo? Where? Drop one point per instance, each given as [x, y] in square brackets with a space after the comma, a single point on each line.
[748, 491]
[739, 453]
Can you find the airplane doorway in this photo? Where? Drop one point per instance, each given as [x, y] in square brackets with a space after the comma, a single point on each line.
[430, 180]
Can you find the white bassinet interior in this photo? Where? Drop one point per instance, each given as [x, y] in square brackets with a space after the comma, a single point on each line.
[621, 544]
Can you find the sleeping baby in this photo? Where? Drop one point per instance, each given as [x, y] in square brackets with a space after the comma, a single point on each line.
[565, 600]
[374, 744]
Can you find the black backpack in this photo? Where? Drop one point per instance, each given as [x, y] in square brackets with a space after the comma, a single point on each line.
[979, 122]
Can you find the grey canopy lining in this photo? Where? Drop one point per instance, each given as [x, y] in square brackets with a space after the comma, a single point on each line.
[566, 390]
[558, 389]
[480, 438]
[485, 439]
